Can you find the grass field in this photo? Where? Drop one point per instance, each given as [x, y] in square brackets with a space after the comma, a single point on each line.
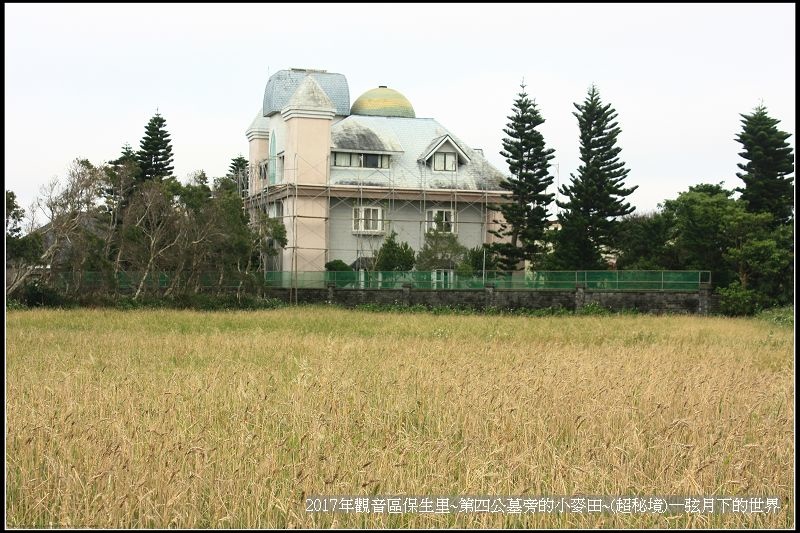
[191, 419]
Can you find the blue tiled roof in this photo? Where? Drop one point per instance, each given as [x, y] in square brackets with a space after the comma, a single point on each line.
[283, 84]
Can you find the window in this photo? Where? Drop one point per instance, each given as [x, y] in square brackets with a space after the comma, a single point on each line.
[275, 209]
[346, 159]
[445, 161]
[376, 161]
[368, 219]
[441, 219]
[264, 169]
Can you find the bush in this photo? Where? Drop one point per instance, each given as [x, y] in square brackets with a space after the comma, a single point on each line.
[738, 301]
[593, 308]
[15, 305]
[337, 265]
[200, 302]
[781, 316]
[37, 294]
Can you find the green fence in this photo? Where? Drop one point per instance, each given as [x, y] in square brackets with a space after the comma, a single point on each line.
[614, 280]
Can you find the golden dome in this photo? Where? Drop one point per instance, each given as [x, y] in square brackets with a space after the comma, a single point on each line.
[383, 102]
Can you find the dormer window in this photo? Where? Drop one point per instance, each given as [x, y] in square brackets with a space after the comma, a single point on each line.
[347, 159]
[443, 154]
[445, 161]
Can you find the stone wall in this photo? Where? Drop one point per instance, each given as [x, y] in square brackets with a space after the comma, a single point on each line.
[688, 302]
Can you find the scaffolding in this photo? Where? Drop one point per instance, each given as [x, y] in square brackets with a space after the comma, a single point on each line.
[465, 204]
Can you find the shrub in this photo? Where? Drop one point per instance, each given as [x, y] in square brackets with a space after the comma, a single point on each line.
[593, 308]
[337, 265]
[15, 305]
[781, 316]
[36, 294]
[738, 301]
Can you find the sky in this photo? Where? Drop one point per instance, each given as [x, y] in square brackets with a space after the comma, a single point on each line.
[81, 80]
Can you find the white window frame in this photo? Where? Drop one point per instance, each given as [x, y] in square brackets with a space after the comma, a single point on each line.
[346, 159]
[363, 224]
[354, 160]
[445, 161]
[430, 220]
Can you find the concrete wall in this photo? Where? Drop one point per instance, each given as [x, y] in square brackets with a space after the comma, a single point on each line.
[655, 302]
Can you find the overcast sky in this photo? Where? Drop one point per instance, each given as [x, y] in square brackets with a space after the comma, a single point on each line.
[81, 80]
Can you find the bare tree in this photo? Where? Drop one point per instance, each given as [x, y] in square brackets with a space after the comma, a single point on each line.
[151, 227]
[67, 209]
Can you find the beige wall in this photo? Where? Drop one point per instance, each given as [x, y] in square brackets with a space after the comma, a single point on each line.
[491, 225]
[259, 149]
[310, 140]
[306, 233]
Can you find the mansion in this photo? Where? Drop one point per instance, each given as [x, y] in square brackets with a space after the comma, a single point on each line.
[342, 177]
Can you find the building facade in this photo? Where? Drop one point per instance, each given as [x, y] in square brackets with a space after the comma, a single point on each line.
[341, 177]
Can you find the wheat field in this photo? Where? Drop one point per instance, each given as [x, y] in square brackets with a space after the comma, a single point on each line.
[165, 418]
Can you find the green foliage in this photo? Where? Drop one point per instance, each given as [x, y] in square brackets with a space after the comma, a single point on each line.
[525, 217]
[441, 251]
[27, 249]
[780, 316]
[474, 259]
[14, 215]
[644, 242]
[393, 256]
[767, 185]
[738, 301]
[712, 231]
[238, 176]
[595, 197]
[38, 294]
[593, 309]
[20, 248]
[270, 235]
[196, 194]
[698, 232]
[337, 265]
[155, 154]
[15, 305]
[462, 310]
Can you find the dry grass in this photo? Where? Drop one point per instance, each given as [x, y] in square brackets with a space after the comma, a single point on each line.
[187, 419]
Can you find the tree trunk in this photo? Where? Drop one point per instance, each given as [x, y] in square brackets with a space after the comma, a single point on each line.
[219, 281]
[144, 277]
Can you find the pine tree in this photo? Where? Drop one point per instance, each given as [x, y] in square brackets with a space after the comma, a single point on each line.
[155, 155]
[595, 197]
[528, 161]
[440, 251]
[394, 256]
[237, 171]
[767, 187]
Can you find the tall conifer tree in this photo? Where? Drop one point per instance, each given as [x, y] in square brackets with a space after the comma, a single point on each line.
[595, 197]
[155, 154]
[767, 186]
[237, 171]
[528, 161]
